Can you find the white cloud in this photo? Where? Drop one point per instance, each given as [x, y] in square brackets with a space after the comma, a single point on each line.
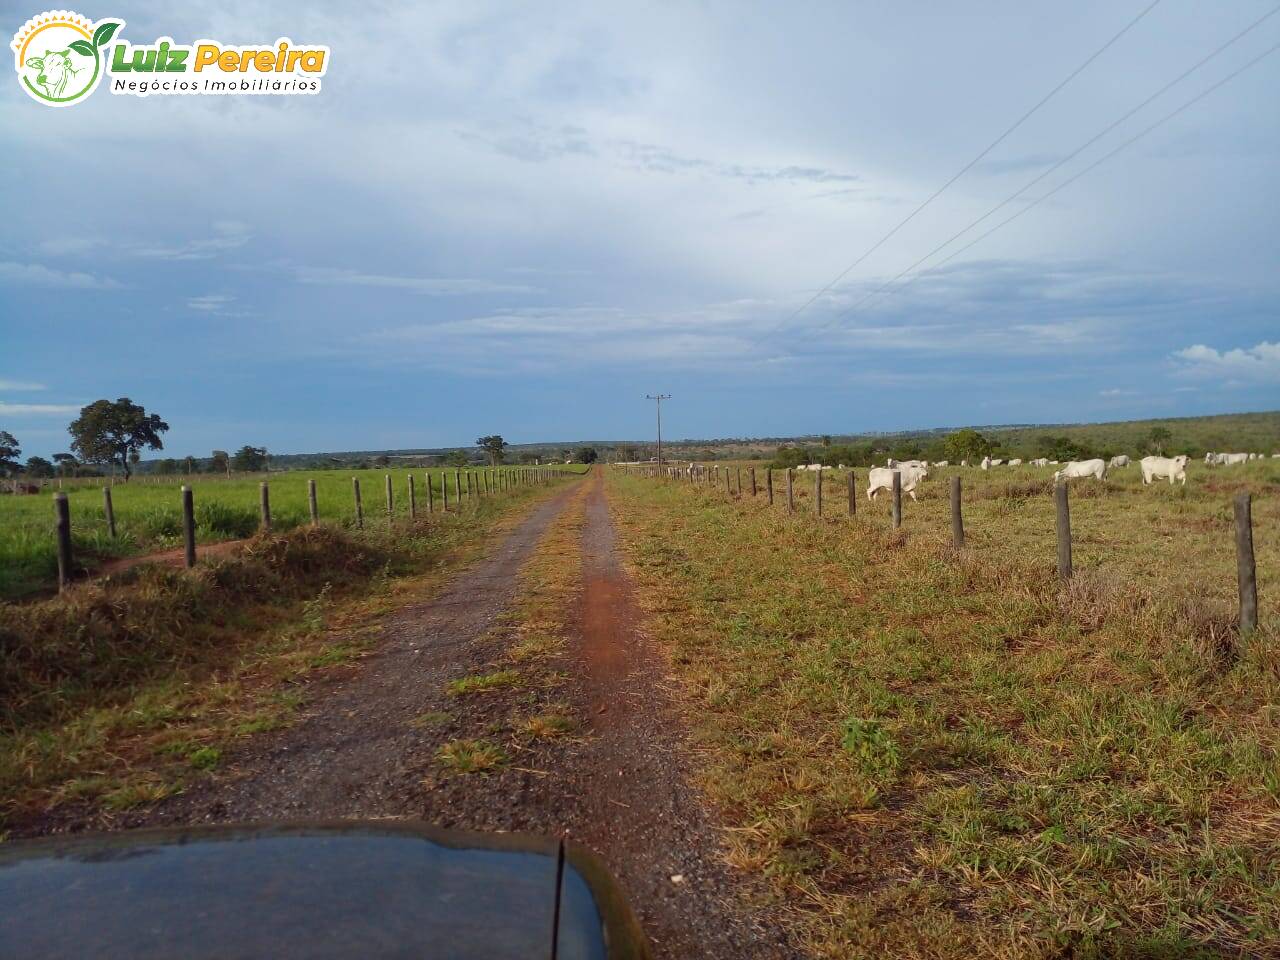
[1259, 362]
[38, 409]
[224, 235]
[17, 385]
[210, 302]
[38, 275]
[431, 286]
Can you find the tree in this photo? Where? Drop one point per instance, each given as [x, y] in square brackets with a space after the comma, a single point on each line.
[167, 467]
[456, 458]
[107, 432]
[1062, 448]
[966, 444]
[39, 467]
[220, 462]
[250, 459]
[1157, 438]
[587, 455]
[826, 439]
[189, 465]
[9, 453]
[492, 448]
[66, 464]
[382, 460]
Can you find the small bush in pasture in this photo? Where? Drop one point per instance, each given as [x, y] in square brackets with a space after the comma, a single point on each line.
[871, 746]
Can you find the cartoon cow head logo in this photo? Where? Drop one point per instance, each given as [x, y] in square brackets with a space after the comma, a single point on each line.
[59, 56]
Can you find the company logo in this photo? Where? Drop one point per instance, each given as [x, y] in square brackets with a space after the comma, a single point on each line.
[61, 57]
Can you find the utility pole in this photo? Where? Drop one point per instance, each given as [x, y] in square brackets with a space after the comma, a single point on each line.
[659, 397]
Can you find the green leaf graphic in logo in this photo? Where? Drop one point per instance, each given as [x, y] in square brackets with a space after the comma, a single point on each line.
[104, 33]
[59, 76]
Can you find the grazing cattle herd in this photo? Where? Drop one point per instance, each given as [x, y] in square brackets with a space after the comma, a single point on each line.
[912, 473]
[1173, 469]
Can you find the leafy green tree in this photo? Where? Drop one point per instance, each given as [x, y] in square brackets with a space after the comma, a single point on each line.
[587, 455]
[114, 433]
[189, 465]
[456, 458]
[66, 464]
[1062, 448]
[9, 453]
[1158, 438]
[785, 458]
[39, 467]
[492, 447]
[167, 467]
[220, 462]
[382, 460]
[966, 444]
[250, 459]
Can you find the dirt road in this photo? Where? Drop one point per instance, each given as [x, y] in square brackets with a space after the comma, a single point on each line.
[621, 785]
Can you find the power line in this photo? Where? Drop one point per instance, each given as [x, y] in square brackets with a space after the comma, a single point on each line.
[969, 166]
[1074, 177]
[1057, 166]
[659, 397]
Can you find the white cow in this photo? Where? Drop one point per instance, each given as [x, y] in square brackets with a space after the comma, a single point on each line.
[881, 478]
[1119, 460]
[942, 463]
[996, 463]
[1227, 459]
[1157, 468]
[965, 462]
[1083, 468]
[1040, 462]
[1015, 462]
[986, 463]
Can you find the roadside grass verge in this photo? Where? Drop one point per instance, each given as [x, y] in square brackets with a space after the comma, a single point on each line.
[942, 755]
[119, 691]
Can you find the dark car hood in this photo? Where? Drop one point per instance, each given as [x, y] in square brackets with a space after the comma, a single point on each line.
[368, 890]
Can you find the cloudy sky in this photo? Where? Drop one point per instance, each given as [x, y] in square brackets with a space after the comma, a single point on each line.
[523, 218]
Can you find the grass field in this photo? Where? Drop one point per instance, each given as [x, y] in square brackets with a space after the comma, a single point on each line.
[936, 754]
[149, 515]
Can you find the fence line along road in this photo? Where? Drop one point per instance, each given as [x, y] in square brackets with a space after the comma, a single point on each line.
[1246, 566]
[517, 479]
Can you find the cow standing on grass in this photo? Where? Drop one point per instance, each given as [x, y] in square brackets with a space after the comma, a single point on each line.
[1077, 469]
[1157, 468]
[881, 478]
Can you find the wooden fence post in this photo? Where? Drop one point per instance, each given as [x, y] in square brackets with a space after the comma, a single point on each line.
[264, 496]
[753, 483]
[391, 502]
[768, 483]
[957, 520]
[355, 487]
[738, 470]
[791, 496]
[817, 490]
[444, 491]
[62, 526]
[413, 500]
[313, 503]
[189, 525]
[1063, 510]
[897, 499]
[470, 493]
[109, 511]
[1246, 570]
[728, 488]
[431, 497]
[853, 493]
